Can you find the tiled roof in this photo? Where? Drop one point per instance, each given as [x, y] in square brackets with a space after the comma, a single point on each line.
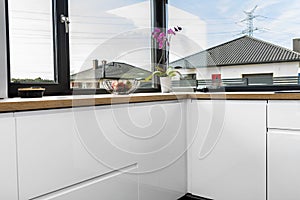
[241, 51]
[112, 70]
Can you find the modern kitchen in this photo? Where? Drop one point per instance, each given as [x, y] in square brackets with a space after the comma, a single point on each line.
[85, 114]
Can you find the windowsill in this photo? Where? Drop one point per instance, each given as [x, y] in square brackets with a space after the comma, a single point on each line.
[55, 102]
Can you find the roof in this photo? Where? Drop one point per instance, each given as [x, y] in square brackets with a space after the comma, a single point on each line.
[112, 70]
[241, 51]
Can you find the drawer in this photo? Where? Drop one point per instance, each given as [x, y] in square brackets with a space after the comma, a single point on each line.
[283, 165]
[284, 115]
[52, 154]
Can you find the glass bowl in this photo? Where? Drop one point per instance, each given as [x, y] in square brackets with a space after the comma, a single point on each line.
[121, 86]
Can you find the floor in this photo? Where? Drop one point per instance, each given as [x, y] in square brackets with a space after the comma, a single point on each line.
[192, 197]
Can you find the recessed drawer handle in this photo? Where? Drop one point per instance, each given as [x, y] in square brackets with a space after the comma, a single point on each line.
[84, 183]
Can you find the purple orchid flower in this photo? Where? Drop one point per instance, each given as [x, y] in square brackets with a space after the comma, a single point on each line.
[155, 33]
[162, 38]
[171, 32]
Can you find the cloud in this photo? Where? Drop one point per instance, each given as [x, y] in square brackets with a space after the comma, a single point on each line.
[285, 26]
[261, 4]
[224, 6]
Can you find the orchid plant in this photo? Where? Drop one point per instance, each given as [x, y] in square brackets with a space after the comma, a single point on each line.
[163, 40]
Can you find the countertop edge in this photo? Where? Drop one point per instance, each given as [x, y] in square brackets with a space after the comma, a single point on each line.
[23, 104]
[30, 104]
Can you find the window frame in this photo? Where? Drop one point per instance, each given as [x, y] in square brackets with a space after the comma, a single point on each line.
[61, 85]
[60, 44]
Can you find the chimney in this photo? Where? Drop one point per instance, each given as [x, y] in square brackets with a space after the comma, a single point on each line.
[104, 62]
[296, 45]
[95, 64]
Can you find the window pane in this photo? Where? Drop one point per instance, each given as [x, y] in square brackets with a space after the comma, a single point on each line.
[245, 43]
[117, 32]
[31, 40]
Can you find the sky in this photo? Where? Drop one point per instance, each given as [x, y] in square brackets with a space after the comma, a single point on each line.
[120, 30]
[277, 20]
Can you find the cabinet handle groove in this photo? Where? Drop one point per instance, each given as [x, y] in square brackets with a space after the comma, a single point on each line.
[84, 183]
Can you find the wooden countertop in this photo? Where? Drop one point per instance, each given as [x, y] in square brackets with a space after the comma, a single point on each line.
[27, 104]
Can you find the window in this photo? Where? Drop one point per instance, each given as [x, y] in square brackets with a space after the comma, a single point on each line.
[259, 79]
[112, 40]
[62, 45]
[31, 41]
[108, 39]
[241, 40]
[38, 54]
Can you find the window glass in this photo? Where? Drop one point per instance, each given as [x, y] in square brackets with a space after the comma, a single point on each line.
[31, 41]
[242, 42]
[109, 39]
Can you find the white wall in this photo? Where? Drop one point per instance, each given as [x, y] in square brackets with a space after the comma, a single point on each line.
[3, 58]
[278, 69]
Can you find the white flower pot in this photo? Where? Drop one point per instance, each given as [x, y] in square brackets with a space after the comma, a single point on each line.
[165, 84]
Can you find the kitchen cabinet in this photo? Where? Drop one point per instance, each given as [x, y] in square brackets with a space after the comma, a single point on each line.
[60, 151]
[52, 154]
[227, 149]
[283, 150]
[153, 135]
[8, 166]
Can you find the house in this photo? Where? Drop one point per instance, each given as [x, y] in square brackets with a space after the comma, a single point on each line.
[244, 57]
[92, 78]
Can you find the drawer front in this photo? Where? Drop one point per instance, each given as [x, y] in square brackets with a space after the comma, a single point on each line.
[51, 154]
[283, 165]
[284, 115]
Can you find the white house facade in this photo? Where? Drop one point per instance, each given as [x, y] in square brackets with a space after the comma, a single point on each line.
[239, 58]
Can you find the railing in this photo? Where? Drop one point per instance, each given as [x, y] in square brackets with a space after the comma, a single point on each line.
[234, 82]
[184, 83]
[288, 80]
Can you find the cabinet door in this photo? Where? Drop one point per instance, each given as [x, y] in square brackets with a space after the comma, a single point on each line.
[152, 134]
[227, 158]
[283, 165]
[8, 167]
[52, 154]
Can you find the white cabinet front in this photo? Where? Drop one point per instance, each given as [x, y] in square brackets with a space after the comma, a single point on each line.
[284, 114]
[8, 166]
[58, 149]
[283, 165]
[227, 157]
[51, 153]
[153, 135]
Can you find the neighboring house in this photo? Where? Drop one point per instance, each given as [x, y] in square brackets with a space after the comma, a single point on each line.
[93, 78]
[244, 57]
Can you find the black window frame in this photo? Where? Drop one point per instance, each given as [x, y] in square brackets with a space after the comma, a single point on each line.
[61, 85]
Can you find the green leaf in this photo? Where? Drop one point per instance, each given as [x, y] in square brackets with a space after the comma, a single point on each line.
[157, 73]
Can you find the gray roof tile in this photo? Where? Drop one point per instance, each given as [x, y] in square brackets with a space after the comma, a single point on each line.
[243, 50]
[112, 70]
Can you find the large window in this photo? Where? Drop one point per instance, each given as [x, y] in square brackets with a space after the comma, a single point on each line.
[112, 40]
[68, 45]
[64, 45]
[250, 45]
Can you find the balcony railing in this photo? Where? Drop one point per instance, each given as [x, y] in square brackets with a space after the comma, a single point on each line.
[241, 84]
[287, 80]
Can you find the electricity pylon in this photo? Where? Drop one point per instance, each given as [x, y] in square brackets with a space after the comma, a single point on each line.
[249, 19]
